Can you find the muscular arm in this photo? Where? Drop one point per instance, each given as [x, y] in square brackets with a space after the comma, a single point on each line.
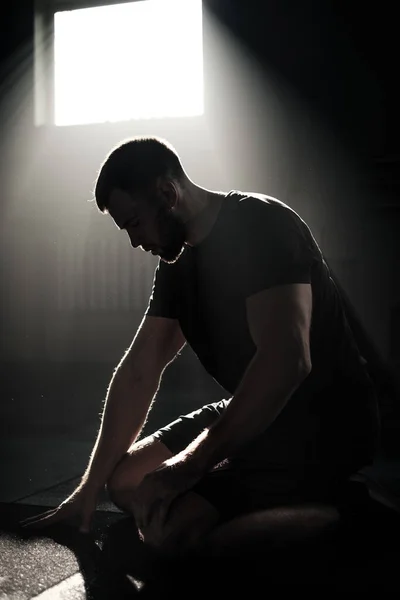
[279, 322]
[131, 391]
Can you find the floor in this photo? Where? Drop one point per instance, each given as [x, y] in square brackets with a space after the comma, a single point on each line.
[41, 464]
[61, 564]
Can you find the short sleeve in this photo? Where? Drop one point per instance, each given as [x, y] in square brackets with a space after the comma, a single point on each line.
[164, 298]
[275, 248]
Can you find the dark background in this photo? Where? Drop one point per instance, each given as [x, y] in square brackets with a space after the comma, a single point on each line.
[301, 103]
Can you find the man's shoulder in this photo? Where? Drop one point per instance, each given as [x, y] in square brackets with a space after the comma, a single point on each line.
[249, 201]
[262, 209]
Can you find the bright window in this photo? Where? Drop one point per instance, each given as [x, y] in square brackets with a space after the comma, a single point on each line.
[138, 60]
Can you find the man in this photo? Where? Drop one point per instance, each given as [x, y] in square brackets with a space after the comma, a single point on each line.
[242, 280]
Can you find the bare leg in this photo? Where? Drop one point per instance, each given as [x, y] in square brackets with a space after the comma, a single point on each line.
[142, 458]
[276, 528]
[194, 521]
[190, 518]
[269, 547]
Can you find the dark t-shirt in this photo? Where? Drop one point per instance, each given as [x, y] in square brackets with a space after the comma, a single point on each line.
[256, 243]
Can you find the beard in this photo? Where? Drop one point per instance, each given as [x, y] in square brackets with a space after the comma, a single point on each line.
[172, 235]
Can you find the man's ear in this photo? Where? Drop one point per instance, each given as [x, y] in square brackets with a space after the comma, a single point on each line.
[170, 192]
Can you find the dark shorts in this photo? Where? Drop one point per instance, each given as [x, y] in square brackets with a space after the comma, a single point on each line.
[263, 475]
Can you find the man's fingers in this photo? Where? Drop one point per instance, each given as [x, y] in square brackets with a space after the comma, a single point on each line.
[153, 530]
[139, 516]
[36, 517]
[146, 514]
[163, 512]
[85, 524]
[41, 520]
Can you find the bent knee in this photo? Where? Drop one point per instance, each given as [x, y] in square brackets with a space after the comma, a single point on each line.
[144, 456]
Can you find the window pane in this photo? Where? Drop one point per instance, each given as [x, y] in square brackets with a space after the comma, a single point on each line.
[138, 60]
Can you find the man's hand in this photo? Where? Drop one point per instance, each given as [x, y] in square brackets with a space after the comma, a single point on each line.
[152, 501]
[159, 489]
[77, 509]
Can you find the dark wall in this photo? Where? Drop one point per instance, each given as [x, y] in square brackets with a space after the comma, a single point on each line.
[340, 56]
[301, 103]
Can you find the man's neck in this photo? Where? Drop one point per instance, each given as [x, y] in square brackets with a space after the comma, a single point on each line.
[200, 225]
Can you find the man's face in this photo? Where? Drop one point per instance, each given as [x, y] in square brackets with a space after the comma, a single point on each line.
[149, 222]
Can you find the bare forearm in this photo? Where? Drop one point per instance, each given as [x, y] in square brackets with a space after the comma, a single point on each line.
[127, 404]
[259, 399]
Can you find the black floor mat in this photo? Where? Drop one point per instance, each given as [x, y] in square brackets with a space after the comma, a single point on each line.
[61, 564]
[35, 561]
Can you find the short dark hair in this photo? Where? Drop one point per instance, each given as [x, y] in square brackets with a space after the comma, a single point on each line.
[134, 165]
